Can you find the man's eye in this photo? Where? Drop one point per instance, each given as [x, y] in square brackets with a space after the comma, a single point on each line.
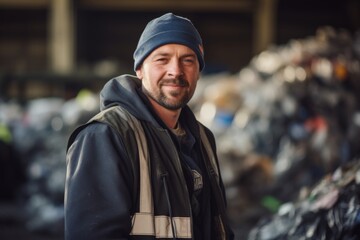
[160, 60]
[189, 60]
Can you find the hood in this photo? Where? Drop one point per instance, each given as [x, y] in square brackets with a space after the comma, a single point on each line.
[125, 91]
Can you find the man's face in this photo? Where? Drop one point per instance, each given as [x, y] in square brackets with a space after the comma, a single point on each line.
[169, 75]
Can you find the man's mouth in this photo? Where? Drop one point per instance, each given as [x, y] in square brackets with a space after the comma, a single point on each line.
[174, 83]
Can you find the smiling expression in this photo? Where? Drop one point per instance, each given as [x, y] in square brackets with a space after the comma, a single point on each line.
[169, 76]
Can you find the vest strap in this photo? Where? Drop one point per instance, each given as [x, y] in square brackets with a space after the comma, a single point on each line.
[160, 226]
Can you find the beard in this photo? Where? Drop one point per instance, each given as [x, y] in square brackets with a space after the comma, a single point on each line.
[177, 99]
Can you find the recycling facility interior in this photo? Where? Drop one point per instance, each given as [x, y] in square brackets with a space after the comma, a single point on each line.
[280, 91]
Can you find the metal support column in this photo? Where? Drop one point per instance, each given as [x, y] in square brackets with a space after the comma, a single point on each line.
[61, 31]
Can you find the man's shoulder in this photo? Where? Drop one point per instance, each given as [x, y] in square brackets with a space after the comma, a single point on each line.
[116, 117]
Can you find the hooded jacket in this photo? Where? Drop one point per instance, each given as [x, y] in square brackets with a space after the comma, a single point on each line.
[105, 174]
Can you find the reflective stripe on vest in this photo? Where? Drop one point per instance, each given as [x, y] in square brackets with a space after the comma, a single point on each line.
[211, 156]
[146, 200]
[209, 151]
[144, 224]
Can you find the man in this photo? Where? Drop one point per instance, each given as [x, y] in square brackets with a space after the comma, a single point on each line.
[144, 168]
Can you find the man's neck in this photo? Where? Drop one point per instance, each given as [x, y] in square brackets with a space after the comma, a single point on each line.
[169, 117]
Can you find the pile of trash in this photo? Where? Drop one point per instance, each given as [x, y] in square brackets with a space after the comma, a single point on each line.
[330, 210]
[284, 121]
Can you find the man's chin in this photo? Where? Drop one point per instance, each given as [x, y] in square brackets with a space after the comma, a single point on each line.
[174, 104]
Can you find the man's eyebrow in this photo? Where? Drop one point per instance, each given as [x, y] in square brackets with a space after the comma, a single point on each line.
[161, 54]
[189, 55]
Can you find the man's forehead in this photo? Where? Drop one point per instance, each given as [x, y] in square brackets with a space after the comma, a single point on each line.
[173, 48]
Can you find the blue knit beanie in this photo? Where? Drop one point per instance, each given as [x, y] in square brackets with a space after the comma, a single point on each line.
[166, 29]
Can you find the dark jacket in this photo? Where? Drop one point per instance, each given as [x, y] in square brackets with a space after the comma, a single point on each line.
[102, 197]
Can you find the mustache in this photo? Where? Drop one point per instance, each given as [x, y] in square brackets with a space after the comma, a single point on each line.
[177, 81]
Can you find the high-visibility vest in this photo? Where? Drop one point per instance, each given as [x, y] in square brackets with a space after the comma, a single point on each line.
[145, 222]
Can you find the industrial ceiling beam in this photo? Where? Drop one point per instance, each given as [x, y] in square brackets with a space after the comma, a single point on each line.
[181, 5]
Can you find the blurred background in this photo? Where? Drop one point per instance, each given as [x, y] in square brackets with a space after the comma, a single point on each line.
[280, 91]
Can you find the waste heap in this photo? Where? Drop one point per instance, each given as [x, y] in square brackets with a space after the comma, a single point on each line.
[284, 121]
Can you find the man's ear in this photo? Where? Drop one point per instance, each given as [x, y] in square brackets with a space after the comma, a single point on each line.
[139, 73]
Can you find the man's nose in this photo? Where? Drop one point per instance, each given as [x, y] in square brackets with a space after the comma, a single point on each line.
[175, 68]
